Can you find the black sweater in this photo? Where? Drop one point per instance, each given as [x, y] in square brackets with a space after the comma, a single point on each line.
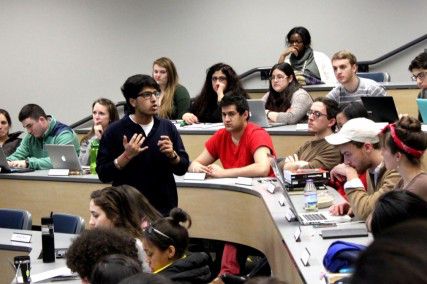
[151, 172]
[191, 269]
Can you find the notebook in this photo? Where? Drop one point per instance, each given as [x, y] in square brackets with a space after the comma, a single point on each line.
[257, 114]
[381, 109]
[422, 108]
[63, 157]
[5, 166]
[305, 218]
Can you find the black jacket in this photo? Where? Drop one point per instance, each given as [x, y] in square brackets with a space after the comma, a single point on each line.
[151, 172]
[191, 269]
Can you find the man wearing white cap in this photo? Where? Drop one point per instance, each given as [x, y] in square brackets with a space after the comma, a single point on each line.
[359, 144]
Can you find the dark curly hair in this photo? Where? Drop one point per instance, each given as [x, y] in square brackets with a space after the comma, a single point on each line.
[169, 231]
[113, 268]
[92, 245]
[207, 99]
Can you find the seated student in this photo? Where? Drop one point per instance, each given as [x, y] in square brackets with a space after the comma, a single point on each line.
[317, 153]
[286, 102]
[114, 207]
[359, 144]
[351, 87]
[396, 256]
[174, 98]
[146, 278]
[42, 129]
[395, 207]
[349, 111]
[402, 146]
[114, 268]
[418, 68]
[104, 112]
[8, 141]
[312, 67]
[220, 79]
[166, 242]
[92, 245]
[242, 146]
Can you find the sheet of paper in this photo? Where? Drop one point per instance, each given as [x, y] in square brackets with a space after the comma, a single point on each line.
[194, 176]
[61, 271]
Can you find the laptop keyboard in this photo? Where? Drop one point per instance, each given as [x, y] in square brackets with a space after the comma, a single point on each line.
[314, 217]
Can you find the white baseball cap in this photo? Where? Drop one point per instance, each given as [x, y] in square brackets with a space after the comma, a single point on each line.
[357, 129]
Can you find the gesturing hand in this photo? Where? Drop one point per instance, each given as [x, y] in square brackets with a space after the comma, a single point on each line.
[166, 146]
[133, 147]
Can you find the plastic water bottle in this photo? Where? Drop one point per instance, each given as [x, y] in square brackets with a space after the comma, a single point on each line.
[310, 196]
[94, 146]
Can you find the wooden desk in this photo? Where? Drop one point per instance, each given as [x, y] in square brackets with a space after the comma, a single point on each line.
[219, 209]
[404, 95]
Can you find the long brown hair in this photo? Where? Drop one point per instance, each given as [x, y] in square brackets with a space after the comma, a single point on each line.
[112, 113]
[166, 107]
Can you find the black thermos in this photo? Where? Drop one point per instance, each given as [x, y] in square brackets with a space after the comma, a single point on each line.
[48, 240]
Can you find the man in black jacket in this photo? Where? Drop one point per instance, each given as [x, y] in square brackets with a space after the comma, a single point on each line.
[141, 149]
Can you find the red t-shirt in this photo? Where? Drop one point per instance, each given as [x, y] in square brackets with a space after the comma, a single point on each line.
[221, 146]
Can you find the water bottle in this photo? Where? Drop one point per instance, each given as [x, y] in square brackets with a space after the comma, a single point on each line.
[94, 146]
[48, 240]
[310, 196]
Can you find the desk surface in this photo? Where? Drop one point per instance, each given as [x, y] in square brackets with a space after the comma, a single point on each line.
[37, 265]
[220, 209]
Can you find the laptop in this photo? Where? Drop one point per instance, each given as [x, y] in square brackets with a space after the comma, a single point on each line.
[305, 218]
[381, 109]
[257, 114]
[63, 156]
[422, 108]
[5, 166]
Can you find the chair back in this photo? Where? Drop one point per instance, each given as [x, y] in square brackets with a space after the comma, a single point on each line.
[376, 76]
[67, 223]
[15, 219]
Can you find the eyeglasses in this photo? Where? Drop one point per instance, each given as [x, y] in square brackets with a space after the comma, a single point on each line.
[221, 79]
[150, 230]
[278, 77]
[147, 95]
[420, 76]
[316, 113]
[293, 42]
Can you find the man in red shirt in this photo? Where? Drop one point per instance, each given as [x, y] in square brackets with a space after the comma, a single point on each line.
[242, 147]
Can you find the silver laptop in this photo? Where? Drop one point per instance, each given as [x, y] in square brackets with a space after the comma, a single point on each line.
[297, 201]
[5, 166]
[63, 157]
[258, 115]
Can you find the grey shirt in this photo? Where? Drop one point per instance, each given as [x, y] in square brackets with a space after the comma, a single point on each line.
[300, 103]
[366, 87]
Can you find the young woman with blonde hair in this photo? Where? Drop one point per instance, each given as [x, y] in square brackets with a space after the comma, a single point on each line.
[174, 99]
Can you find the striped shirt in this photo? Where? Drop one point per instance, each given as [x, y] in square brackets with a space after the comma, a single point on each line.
[367, 87]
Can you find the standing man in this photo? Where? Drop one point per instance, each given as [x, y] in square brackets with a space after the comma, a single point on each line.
[418, 68]
[358, 142]
[351, 87]
[142, 150]
[317, 153]
[42, 129]
[242, 147]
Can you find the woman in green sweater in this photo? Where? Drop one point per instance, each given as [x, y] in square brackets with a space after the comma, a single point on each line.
[174, 99]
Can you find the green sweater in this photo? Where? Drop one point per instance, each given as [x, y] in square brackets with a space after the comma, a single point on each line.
[181, 102]
[33, 149]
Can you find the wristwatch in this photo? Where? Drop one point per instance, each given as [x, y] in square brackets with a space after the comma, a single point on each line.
[27, 163]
